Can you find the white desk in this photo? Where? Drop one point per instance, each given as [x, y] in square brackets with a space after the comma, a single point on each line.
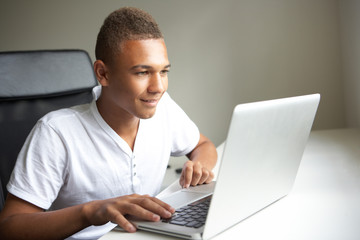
[324, 203]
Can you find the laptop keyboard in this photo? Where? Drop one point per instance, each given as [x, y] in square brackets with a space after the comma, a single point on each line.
[193, 215]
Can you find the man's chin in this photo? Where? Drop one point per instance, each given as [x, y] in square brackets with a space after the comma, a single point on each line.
[146, 115]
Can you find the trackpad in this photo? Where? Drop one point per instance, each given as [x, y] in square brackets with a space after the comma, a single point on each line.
[185, 196]
[179, 199]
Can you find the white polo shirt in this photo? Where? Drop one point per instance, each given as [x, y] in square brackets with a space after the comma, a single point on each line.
[73, 156]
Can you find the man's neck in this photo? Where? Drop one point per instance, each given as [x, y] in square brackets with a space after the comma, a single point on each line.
[124, 124]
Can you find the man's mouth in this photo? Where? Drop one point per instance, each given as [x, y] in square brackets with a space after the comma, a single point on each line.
[150, 102]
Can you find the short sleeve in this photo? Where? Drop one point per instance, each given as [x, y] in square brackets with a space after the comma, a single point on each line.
[184, 132]
[40, 168]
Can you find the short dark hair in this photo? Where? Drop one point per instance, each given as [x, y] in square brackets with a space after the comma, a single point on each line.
[126, 23]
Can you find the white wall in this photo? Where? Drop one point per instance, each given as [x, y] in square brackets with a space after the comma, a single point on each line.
[350, 33]
[222, 52]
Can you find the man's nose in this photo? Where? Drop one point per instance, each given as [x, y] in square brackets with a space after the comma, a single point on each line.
[157, 83]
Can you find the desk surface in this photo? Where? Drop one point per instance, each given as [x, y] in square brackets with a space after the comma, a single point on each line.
[324, 202]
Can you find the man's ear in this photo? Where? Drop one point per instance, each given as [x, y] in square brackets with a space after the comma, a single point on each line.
[101, 72]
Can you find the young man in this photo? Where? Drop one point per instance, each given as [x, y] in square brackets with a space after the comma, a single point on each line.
[83, 169]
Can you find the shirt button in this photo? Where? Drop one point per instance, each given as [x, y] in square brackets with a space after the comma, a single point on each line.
[134, 173]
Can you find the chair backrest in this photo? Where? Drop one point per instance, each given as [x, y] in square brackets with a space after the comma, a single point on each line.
[33, 83]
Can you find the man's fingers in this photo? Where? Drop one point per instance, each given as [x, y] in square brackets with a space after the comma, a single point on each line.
[141, 212]
[115, 210]
[194, 174]
[156, 206]
[118, 218]
[146, 209]
[163, 204]
[197, 174]
[187, 173]
[210, 178]
[182, 179]
[205, 175]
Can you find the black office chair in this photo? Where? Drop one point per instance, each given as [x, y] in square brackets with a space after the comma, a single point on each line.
[33, 83]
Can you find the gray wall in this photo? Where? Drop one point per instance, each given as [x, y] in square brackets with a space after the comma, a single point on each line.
[350, 48]
[222, 52]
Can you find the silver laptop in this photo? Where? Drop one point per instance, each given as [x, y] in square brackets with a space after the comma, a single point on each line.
[262, 153]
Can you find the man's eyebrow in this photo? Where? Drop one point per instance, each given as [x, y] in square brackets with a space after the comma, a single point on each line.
[146, 66]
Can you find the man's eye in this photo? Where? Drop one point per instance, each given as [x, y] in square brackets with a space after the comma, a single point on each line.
[142, 73]
[164, 72]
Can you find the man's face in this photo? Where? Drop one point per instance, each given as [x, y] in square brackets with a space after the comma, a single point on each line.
[138, 77]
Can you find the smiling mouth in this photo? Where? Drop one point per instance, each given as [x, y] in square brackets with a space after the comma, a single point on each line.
[150, 102]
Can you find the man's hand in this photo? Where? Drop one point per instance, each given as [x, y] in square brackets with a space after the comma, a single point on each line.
[193, 173]
[198, 170]
[115, 209]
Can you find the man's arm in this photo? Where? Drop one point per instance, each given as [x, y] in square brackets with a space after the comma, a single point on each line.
[22, 220]
[198, 169]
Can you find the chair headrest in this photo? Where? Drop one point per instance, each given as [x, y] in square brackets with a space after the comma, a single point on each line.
[29, 74]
